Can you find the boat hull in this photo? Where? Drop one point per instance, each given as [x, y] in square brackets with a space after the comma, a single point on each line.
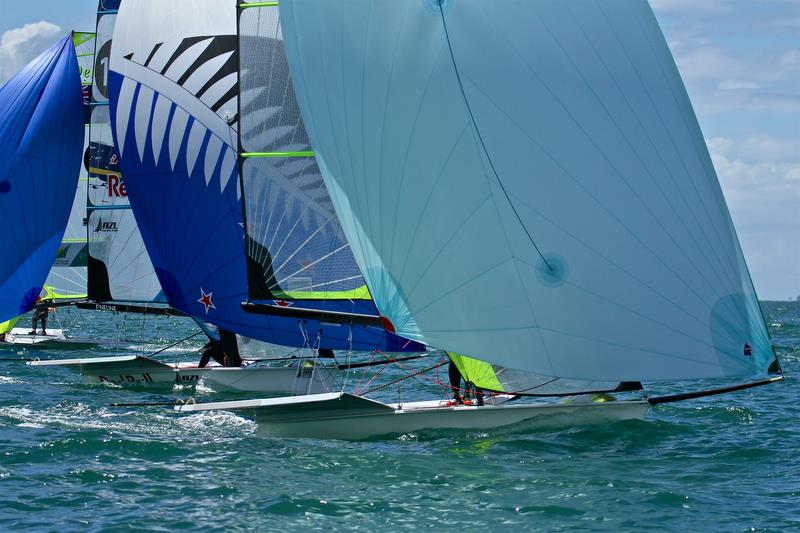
[344, 416]
[275, 380]
[136, 370]
[54, 339]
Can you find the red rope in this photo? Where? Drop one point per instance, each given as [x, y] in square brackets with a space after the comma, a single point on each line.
[372, 379]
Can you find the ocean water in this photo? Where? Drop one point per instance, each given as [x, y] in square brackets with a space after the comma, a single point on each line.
[70, 462]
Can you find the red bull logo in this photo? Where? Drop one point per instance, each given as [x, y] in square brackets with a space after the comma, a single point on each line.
[116, 187]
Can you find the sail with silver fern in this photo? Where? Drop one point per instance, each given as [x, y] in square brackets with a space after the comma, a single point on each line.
[177, 112]
[525, 183]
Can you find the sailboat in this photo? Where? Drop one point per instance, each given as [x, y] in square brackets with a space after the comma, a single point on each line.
[40, 154]
[105, 256]
[175, 103]
[526, 184]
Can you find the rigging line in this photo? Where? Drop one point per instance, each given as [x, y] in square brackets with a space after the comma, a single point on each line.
[409, 376]
[174, 344]
[389, 361]
[480, 138]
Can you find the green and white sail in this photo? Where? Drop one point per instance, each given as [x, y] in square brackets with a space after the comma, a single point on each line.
[525, 182]
[67, 279]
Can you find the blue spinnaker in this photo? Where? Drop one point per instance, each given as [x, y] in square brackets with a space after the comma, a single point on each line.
[41, 142]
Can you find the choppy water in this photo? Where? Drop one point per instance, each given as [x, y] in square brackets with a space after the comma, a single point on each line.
[70, 462]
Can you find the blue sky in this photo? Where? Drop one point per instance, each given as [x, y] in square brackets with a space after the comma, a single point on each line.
[740, 60]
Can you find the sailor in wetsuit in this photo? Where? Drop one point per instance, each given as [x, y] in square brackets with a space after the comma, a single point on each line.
[455, 384]
[224, 351]
[455, 381]
[40, 314]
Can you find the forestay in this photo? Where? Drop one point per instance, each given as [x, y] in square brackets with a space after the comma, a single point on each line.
[119, 266]
[40, 152]
[525, 182]
[174, 94]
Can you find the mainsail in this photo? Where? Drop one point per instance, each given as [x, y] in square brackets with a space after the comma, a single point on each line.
[119, 267]
[175, 109]
[40, 153]
[526, 183]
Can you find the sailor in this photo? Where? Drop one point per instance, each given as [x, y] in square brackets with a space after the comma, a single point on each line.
[224, 351]
[455, 381]
[455, 384]
[40, 314]
[211, 349]
[230, 348]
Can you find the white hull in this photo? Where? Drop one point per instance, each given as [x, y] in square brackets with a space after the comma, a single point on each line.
[275, 380]
[345, 416]
[55, 338]
[143, 371]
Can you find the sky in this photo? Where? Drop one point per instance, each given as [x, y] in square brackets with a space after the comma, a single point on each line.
[740, 60]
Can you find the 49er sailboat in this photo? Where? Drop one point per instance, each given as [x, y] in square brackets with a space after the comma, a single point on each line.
[524, 183]
[176, 102]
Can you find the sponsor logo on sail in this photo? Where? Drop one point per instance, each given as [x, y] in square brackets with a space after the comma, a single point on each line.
[104, 226]
[116, 187]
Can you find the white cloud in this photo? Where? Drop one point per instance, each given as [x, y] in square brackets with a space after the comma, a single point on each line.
[704, 6]
[760, 176]
[20, 45]
[736, 85]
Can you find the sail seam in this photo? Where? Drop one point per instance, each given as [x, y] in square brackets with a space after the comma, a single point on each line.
[483, 144]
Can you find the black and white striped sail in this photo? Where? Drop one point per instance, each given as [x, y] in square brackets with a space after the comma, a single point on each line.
[525, 182]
